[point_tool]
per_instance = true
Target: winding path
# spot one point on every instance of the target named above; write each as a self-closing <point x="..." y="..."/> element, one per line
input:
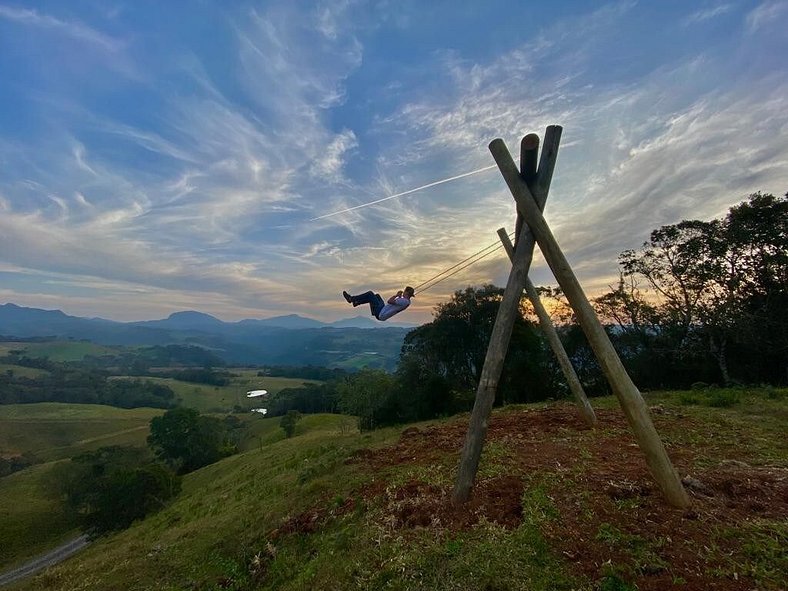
<point x="45" y="560"/>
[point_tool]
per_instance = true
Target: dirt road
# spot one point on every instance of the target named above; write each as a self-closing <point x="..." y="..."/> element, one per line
<point x="50" y="558"/>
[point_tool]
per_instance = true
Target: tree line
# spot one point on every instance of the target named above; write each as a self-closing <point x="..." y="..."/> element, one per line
<point x="707" y="298"/>
<point x="62" y="382"/>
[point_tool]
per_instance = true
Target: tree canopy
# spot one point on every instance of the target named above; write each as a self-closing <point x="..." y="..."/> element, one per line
<point x="110" y="488"/>
<point x="187" y="440"/>
<point x="713" y="291"/>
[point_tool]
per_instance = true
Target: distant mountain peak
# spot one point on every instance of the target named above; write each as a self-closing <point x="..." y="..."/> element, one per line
<point x="24" y="310"/>
<point x="286" y="321"/>
<point x="192" y="316"/>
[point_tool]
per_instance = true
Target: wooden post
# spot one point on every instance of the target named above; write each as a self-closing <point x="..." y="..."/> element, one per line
<point x="546" y="324"/>
<point x="628" y="395"/>
<point x="528" y="172"/>
<point x="504" y="322"/>
<point x="529" y="149"/>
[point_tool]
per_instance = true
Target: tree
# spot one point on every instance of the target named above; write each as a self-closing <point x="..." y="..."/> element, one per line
<point x="288" y="422"/>
<point x="309" y="398"/>
<point x="450" y="352"/>
<point x="370" y="395"/>
<point x="717" y="286"/>
<point x="187" y="441"/>
<point x="110" y="488"/>
<point x="757" y="238"/>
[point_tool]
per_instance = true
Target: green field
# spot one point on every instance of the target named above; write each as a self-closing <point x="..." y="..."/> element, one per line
<point x="23" y="372"/>
<point x="223" y="399"/>
<point x="31" y="520"/>
<point x="334" y="509"/>
<point x="58" y="350"/>
<point x="54" y="430"/>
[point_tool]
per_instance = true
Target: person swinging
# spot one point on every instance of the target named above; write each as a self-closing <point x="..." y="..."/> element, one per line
<point x="380" y="309"/>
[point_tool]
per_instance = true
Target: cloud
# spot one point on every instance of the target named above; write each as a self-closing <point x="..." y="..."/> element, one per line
<point x="74" y="29"/>
<point x="329" y="166"/>
<point x="668" y="145"/>
<point x="707" y="14"/>
<point x="202" y="196"/>
<point x="766" y="13"/>
<point x="185" y="206"/>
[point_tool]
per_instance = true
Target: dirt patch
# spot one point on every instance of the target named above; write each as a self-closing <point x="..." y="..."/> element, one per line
<point x="417" y="504"/>
<point x="312" y="519"/>
<point x="610" y="512"/>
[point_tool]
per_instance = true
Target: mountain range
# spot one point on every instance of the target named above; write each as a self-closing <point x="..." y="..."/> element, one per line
<point x="288" y="340"/>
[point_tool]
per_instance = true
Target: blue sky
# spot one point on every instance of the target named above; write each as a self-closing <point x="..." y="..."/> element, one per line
<point x="164" y="156"/>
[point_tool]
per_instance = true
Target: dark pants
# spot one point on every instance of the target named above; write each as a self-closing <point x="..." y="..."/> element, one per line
<point x="374" y="300"/>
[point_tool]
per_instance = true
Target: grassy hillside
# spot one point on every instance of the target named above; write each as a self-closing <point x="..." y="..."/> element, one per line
<point x="31" y="521"/>
<point x="556" y="506"/>
<point x="58" y="350"/>
<point x="54" y="430"/>
<point x="24" y="372"/>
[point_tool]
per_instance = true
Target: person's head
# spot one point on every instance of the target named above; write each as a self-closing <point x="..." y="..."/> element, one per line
<point x="409" y="292"/>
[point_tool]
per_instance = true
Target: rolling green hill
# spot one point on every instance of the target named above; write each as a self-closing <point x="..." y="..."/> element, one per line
<point x="31" y="520"/>
<point x="54" y="430"/>
<point x="556" y="506"/>
<point x="26" y="372"/>
<point x="58" y="350"/>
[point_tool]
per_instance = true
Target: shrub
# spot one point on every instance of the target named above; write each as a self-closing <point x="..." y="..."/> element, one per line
<point x="723" y="398"/>
<point x="288" y="422"/>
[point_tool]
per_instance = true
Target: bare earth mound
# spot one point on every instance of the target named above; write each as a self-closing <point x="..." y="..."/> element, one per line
<point x="600" y="508"/>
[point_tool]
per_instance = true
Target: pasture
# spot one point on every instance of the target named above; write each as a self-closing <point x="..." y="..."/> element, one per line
<point x="224" y="399"/>
<point x="54" y="430"/>
<point x="58" y="350"/>
<point x="31" y="520"/>
<point x="23" y="372"/>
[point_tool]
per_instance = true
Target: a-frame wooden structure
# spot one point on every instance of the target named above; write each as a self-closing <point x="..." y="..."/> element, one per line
<point x="530" y="187"/>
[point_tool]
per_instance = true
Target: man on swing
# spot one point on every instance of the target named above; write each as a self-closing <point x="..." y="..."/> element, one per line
<point x="380" y="310"/>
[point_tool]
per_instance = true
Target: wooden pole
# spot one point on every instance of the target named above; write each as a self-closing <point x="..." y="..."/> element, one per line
<point x="528" y="172"/>
<point x="546" y="324"/>
<point x="502" y="330"/>
<point x="529" y="150"/>
<point x="628" y="395"/>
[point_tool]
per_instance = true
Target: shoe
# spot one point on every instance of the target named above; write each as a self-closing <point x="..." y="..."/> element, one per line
<point x="347" y="297"/>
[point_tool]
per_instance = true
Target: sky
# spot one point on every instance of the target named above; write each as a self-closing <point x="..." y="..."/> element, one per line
<point x="167" y="156"/>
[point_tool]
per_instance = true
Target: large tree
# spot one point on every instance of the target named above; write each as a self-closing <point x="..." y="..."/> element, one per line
<point x="187" y="440"/>
<point x="715" y="289"/>
<point x="449" y="352"/>
<point x="110" y="488"/>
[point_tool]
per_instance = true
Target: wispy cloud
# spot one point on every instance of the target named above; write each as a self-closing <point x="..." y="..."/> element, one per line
<point x="71" y="28"/>
<point x="769" y="12"/>
<point x="200" y="185"/>
<point x="706" y="14"/>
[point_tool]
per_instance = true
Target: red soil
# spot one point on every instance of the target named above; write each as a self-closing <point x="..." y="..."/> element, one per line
<point x="609" y="509"/>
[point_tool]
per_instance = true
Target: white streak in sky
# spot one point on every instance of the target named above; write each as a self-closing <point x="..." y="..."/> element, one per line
<point x="427" y="186"/>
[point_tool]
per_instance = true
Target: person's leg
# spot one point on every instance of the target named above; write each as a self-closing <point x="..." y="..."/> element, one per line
<point x="364" y="298"/>
<point x="376" y="305"/>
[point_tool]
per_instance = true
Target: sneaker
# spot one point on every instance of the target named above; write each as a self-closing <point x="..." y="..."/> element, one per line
<point x="347" y="297"/>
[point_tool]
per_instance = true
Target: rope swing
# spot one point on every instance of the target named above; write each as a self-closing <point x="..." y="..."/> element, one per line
<point x="454" y="269"/>
<point x="477" y="256"/>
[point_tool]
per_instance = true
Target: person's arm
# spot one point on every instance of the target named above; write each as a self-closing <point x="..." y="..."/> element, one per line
<point x="393" y="299"/>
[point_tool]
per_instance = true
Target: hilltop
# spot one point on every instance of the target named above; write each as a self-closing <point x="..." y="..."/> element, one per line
<point x="557" y="506"/>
